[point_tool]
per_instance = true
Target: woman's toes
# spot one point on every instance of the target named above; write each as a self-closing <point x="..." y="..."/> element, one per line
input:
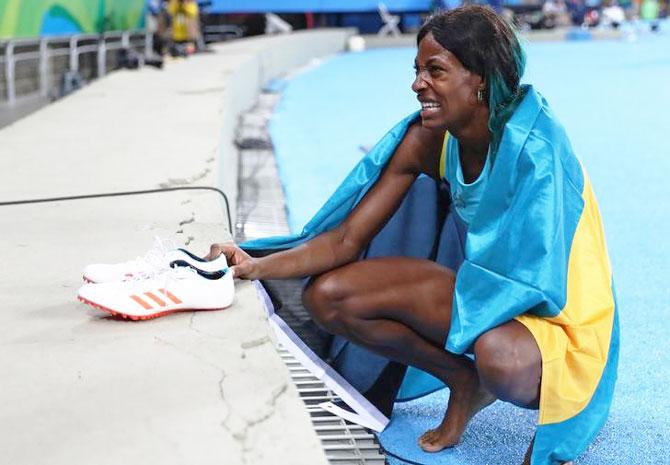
<point x="429" y="441"/>
<point x="433" y="441"/>
<point x="427" y="437"/>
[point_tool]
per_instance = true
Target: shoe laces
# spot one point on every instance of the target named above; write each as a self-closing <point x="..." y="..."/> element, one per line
<point x="164" y="279"/>
<point x="153" y="262"/>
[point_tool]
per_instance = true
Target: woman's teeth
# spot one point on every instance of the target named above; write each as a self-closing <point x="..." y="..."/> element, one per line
<point x="429" y="105"/>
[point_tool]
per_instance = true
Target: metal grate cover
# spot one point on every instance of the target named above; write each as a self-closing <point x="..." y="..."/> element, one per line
<point x="344" y="443"/>
<point x="261" y="211"/>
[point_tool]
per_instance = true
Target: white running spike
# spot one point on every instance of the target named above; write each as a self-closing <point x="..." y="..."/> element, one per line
<point x="177" y="289"/>
<point x="155" y="261"/>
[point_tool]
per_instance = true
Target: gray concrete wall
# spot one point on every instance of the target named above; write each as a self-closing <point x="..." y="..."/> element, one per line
<point x="254" y="61"/>
<point x="79" y="387"/>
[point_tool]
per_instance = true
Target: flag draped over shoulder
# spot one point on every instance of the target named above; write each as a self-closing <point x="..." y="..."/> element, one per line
<point x="347" y="195"/>
<point x="534" y="251"/>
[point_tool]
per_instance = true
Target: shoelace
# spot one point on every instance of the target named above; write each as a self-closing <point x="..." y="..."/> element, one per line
<point x="153" y="262"/>
<point x="164" y="280"/>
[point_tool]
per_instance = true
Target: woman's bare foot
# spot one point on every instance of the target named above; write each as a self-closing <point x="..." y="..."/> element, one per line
<point x="526" y="459"/>
<point x="465" y="401"/>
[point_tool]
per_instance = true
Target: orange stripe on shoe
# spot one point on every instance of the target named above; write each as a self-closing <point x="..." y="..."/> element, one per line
<point x="141" y="302"/>
<point x="170" y="296"/>
<point x="155" y="298"/>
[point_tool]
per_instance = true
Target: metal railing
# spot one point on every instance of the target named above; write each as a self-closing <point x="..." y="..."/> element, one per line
<point x="221" y="32"/>
<point x="32" y="66"/>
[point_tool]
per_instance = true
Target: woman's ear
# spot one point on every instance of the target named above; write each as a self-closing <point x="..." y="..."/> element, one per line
<point x="480" y="94"/>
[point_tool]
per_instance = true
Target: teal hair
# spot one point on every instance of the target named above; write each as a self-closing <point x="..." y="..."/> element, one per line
<point x="503" y="98"/>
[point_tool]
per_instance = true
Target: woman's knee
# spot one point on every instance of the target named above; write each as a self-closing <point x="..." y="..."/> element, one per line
<point x="324" y="298"/>
<point x="509" y="364"/>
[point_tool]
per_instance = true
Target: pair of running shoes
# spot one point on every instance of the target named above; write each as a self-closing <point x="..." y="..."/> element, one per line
<point x="164" y="281"/>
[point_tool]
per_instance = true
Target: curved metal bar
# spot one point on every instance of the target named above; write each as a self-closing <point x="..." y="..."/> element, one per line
<point x="44" y="66"/>
<point x="102" y="57"/>
<point x="119" y="194"/>
<point x="71" y="46"/>
<point x="9" y="71"/>
<point x="74" y="56"/>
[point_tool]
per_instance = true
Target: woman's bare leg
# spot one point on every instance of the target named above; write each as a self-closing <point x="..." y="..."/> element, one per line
<point x="509" y="364"/>
<point x="400" y="308"/>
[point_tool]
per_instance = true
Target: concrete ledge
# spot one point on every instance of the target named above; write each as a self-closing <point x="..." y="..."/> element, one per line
<point x="192" y="388"/>
<point x="80" y="387"/>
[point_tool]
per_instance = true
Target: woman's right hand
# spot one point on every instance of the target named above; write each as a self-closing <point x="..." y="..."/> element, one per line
<point x="241" y="263"/>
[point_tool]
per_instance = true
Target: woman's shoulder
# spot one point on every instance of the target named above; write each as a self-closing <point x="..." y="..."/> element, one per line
<point x="423" y="138"/>
<point x="423" y="148"/>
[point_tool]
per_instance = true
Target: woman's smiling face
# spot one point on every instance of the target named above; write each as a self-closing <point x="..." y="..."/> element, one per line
<point x="447" y="91"/>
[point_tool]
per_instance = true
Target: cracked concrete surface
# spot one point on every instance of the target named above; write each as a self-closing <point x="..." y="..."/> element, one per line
<point x="81" y="387"/>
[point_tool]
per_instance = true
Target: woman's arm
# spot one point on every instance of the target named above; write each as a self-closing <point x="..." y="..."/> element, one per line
<point x="418" y="152"/>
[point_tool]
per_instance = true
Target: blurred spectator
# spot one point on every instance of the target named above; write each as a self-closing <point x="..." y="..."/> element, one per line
<point x="152" y="20"/>
<point x="185" y="20"/>
<point x="576" y="10"/>
<point x="629" y="8"/>
<point x="581" y="14"/>
<point x="649" y="9"/>
<point x="613" y="14"/>
<point x="555" y="13"/>
<point x="591" y="18"/>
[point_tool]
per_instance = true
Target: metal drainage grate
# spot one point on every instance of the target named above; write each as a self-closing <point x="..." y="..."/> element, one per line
<point x="344" y="443"/>
<point x="261" y="212"/>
